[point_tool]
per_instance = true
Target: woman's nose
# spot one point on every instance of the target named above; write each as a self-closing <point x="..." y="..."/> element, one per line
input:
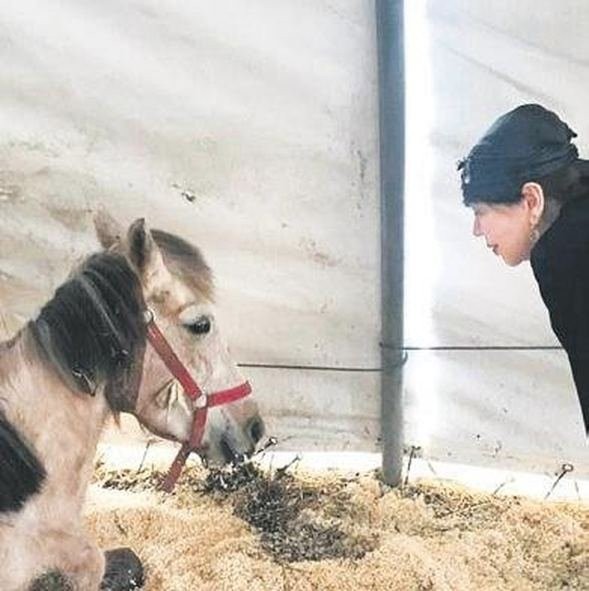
<point x="476" y="228"/>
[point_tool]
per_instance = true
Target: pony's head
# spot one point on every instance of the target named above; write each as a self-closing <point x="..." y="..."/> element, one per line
<point x="176" y="285"/>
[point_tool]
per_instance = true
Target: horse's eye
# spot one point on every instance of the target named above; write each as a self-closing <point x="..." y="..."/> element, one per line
<point x="201" y="325"/>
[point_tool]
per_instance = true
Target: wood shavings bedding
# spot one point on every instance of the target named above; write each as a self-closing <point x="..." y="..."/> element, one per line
<point x="423" y="537"/>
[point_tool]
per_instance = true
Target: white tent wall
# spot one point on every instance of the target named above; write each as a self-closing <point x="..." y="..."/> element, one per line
<point x="469" y="62"/>
<point x="246" y="126"/>
<point x="250" y="128"/>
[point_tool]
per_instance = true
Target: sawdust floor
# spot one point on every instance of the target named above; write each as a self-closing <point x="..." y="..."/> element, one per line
<point x="356" y="534"/>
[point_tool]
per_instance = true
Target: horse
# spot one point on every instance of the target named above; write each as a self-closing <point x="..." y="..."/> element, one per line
<point x="90" y="353"/>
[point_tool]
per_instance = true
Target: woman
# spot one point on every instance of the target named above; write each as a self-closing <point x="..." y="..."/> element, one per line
<point x="529" y="192"/>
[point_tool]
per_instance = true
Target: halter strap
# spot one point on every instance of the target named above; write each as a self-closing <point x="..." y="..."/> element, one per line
<point x="192" y="390"/>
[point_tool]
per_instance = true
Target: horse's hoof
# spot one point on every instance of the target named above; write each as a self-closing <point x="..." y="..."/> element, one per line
<point x="123" y="570"/>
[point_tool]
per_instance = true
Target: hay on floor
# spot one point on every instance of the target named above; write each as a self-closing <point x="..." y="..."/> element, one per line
<point x="249" y="530"/>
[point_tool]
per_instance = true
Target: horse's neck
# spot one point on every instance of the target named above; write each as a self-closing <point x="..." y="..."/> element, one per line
<point x="62" y="427"/>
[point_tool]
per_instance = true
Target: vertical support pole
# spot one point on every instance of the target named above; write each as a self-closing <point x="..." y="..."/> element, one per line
<point x="391" y="93"/>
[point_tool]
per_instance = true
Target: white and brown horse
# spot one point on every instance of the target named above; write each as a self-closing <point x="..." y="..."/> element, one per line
<point x="87" y="355"/>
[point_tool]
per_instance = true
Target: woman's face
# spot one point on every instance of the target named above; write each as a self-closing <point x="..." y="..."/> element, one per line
<point x="506" y="229"/>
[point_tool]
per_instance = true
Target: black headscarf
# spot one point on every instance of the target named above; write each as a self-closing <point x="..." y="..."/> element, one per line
<point x="521" y="146"/>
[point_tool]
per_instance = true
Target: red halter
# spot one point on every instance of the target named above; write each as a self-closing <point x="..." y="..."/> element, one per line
<point x="205" y="401"/>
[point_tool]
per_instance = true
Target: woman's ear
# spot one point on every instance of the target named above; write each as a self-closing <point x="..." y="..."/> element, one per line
<point x="533" y="198"/>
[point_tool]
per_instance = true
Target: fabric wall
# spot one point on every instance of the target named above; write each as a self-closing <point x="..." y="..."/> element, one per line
<point x="246" y="126"/>
<point x="482" y="396"/>
<point x="250" y="128"/>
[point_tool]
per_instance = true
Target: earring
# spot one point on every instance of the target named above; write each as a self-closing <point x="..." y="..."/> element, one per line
<point x="534" y="234"/>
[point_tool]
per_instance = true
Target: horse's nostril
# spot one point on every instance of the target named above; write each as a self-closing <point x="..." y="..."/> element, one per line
<point x="227" y="451"/>
<point x="256" y="429"/>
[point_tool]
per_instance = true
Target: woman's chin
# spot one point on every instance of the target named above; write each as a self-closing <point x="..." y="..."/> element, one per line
<point x="513" y="261"/>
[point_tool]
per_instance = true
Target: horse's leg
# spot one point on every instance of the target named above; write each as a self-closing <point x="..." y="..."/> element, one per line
<point x="19" y="560"/>
<point x="76" y="557"/>
<point x="50" y="560"/>
<point x="123" y="572"/>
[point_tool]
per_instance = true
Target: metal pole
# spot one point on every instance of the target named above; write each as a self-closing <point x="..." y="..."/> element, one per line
<point x="391" y="93"/>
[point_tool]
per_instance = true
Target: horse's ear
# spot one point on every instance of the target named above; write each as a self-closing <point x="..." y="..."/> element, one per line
<point x="143" y="252"/>
<point x="108" y="230"/>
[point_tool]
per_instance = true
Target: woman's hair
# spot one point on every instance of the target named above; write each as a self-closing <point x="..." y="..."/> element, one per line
<point x="529" y="143"/>
<point x="567" y="183"/>
<point x="561" y="186"/>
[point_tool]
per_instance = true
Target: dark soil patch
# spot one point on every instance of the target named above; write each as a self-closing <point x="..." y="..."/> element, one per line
<point x="286" y="512"/>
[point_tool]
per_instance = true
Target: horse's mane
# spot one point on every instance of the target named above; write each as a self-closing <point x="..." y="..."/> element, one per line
<point x="92" y="332"/>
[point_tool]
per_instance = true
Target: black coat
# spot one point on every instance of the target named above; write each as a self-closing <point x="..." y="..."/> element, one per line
<point x="560" y="260"/>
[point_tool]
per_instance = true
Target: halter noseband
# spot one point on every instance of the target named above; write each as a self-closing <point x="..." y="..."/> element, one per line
<point x="202" y="401"/>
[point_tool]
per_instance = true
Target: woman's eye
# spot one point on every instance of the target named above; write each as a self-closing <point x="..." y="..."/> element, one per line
<point x="200" y="326"/>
